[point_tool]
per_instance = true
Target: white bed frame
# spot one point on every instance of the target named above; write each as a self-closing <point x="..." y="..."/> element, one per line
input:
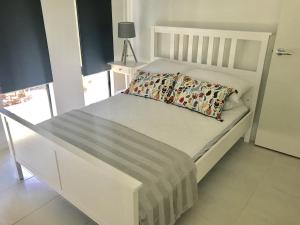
<point x="104" y="193"/>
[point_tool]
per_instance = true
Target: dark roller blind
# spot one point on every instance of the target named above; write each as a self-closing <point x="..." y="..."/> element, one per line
<point x="96" y="35"/>
<point x="24" y="57"/>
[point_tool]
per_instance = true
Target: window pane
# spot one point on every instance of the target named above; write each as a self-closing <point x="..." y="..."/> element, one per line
<point x="95" y="87"/>
<point x="31" y="104"/>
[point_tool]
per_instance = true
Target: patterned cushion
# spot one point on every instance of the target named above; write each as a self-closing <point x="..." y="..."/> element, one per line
<point x="158" y="86"/>
<point x="204" y="97"/>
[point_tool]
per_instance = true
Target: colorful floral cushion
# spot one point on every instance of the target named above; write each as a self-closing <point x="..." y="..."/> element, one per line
<point x="204" y="97"/>
<point x="158" y="86"/>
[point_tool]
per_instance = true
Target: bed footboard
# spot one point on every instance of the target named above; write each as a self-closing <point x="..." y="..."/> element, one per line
<point x="105" y="194"/>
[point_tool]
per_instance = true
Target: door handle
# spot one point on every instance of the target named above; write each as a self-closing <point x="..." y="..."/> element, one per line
<point x="282" y="52"/>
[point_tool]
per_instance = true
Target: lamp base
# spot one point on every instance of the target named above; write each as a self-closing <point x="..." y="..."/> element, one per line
<point x="125" y="51"/>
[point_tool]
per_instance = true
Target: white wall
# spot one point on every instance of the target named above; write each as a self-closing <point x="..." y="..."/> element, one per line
<point x="119" y="14"/>
<point x="240" y="14"/>
<point x="146" y="14"/>
<point x="254" y="15"/>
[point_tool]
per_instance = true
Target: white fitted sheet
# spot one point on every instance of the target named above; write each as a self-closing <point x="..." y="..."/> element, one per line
<point x="188" y="131"/>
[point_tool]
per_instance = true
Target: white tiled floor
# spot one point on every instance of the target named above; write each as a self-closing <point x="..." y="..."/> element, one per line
<point x="249" y="186"/>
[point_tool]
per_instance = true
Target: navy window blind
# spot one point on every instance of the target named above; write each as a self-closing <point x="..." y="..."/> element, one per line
<point x="96" y="35"/>
<point x="24" y="57"/>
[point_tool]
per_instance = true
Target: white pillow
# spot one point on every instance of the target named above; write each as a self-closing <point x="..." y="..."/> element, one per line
<point x="242" y="86"/>
<point x="166" y="66"/>
<point x="230" y="104"/>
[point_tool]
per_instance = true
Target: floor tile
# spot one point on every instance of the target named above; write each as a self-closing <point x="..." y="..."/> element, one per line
<point x="224" y="192"/>
<point x="238" y="173"/>
<point x="56" y="212"/>
<point x="252" y="217"/>
<point x="223" y="197"/>
<point x="209" y="206"/>
<point x="247" y="158"/>
<point x="8" y="174"/>
<point x="224" y="182"/>
<point x="4" y="157"/>
<point x="284" y="175"/>
<point x="7" y="178"/>
<point x="3" y="147"/>
<point x="23" y="199"/>
<point x="192" y="217"/>
<point x="270" y="206"/>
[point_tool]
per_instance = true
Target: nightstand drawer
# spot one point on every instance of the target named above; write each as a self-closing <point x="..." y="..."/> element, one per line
<point x="121" y="69"/>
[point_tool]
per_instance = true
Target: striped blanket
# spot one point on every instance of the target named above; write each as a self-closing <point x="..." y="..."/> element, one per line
<point x="168" y="176"/>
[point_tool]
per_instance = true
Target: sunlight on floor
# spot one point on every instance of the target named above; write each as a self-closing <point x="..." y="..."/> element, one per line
<point x="26" y="173"/>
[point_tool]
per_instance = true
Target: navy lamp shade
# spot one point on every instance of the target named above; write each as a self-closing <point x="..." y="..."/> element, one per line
<point x="126" y="30"/>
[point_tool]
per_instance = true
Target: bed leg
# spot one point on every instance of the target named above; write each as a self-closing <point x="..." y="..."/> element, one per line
<point x="11" y="148"/>
<point x="19" y="171"/>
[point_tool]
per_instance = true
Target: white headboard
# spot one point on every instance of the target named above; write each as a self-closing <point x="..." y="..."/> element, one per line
<point x="218" y="52"/>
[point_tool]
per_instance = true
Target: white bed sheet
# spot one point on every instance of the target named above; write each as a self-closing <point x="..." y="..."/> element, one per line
<point x="181" y="128"/>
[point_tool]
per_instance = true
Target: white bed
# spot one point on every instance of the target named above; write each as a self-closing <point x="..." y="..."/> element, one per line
<point x="95" y="186"/>
<point x="183" y="129"/>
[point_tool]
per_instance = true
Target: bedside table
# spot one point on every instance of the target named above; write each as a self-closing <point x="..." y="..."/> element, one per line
<point x="127" y="70"/>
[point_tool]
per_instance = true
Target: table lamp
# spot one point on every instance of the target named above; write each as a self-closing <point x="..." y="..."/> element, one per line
<point x="126" y="30"/>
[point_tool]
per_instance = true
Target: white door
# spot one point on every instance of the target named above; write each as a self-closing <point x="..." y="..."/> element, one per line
<point x="279" y="125"/>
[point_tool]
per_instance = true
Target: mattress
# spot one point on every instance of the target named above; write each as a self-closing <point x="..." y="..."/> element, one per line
<point x="185" y="130"/>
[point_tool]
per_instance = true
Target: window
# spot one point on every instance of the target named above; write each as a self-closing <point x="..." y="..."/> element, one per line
<point x="31" y="104"/>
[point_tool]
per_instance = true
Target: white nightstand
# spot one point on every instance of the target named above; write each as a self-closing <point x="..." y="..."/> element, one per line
<point x="127" y="70"/>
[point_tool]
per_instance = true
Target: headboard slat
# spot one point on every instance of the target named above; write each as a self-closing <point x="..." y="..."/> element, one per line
<point x="190" y="48"/>
<point x="172" y="46"/>
<point x="210" y="50"/>
<point x="232" y="53"/>
<point x="221" y="52"/>
<point x="200" y="49"/>
<point x="180" y="50"/>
